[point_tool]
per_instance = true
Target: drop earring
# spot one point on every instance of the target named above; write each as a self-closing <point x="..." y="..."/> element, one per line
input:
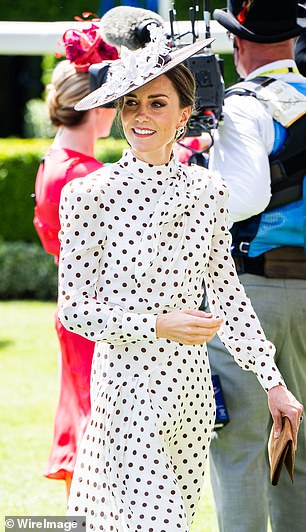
<point x="179" y="133"/>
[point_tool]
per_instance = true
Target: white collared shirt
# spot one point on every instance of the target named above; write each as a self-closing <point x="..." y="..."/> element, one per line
<point x="243" y="143"/>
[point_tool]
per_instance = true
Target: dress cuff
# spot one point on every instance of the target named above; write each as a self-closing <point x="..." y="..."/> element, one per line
<point x="139" y="326"/>
<point x="267" y="372"/>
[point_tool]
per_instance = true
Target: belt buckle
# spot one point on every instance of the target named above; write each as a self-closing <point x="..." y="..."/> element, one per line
<point x="244" y="247"/>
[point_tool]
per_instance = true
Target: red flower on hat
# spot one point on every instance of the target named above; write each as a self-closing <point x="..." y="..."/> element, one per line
<point x="85" y="47"/>
<point x="243" y="13"/>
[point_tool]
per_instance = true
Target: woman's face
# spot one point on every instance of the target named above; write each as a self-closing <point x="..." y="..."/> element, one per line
<point x="150" y="117"/>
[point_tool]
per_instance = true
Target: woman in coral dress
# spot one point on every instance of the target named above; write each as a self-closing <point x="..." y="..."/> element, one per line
<point x="70" y="156"/>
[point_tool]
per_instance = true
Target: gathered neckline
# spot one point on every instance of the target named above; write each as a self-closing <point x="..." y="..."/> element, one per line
<point x="149" y="171"/>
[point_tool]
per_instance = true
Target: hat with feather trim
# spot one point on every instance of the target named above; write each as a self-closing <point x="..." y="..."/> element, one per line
<point x="137" y="68"/>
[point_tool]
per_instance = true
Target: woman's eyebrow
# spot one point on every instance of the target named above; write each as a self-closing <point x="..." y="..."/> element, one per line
<point x="158" y="96"/>
<point x="133" y="95"/>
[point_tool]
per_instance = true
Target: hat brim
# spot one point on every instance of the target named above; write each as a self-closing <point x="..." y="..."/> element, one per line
<point x="301" y="20"/>
<point x="230" y="22"/>
<point x="96" y="98"/>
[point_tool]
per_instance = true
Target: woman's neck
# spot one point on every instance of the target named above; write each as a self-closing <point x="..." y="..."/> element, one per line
<point x="157" y="157"/>
<point x="77" y="138"/>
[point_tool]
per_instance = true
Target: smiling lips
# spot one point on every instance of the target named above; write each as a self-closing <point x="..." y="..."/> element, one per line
<point x="143" y="132"/>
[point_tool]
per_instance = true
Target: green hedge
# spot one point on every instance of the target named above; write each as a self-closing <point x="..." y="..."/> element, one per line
<point x="45" y="11"/>
<point x="50" y="11"/>
<point x="27" y="272"/>
<point x="19" y="160"/>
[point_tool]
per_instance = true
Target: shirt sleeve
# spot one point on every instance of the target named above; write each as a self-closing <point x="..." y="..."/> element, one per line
<point x="240" y="155"/>
<point x="241" y="332"/>
<point x="82" y="238"/>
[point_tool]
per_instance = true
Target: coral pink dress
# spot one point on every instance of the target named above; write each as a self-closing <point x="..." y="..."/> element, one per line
<point x="57" y="168"/>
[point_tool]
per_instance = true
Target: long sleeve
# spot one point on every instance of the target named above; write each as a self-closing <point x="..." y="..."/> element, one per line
<point x="82" y="237"/>
<point x="240" y="156"/>
<point x="241" y="331"/>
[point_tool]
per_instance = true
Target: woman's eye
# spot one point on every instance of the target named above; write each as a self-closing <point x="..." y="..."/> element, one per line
<point x="130" y="103"/>
<point x="158" y="104"/>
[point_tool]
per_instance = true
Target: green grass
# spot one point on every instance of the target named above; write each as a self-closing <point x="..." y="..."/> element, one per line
<point x="29" y="392"/>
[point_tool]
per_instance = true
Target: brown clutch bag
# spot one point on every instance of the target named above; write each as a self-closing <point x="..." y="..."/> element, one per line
<point x="281" y="451"/>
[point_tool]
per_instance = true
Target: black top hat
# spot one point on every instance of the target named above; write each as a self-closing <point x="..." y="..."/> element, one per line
<point x="262" y="21"/>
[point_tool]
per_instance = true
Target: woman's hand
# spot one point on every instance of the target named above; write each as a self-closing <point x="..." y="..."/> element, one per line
<point x="283" y="403"/>
<point x="189" y="327"/>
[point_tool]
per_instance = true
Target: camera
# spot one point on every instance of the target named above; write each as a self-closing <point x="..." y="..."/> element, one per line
<point x="207" y="69"/>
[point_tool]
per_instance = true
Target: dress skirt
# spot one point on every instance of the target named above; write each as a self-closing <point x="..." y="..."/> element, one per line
<point x="73" y="409"/>
<point x="142" y="460"/>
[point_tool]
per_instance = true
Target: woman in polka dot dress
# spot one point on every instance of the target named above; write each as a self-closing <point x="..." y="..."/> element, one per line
<point x="138" y="238"/>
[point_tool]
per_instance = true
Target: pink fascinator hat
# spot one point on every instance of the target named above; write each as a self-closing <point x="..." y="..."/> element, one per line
<point x="85" y="47"/>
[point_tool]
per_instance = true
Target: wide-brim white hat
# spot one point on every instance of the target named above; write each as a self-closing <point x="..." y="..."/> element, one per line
<point x="137" y="68"/>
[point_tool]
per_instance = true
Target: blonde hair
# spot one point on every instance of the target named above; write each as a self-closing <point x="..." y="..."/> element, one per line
<point x="67" y="87"/>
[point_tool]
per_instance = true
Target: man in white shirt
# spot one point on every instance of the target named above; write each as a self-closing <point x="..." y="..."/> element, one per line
<point x="267" y="209"/>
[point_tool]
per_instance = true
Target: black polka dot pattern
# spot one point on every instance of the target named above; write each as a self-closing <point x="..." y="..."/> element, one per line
<point x="136" y="241"/>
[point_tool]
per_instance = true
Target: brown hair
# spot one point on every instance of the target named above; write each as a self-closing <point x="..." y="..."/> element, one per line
<point x="67" y="87"/>
<point x="184" y="84"/>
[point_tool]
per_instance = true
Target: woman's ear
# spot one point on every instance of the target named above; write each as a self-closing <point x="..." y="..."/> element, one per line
<point x="186" y="112"/>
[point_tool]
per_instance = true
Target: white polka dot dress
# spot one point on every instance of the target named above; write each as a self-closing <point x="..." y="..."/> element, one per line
<point x="137" y="240"/>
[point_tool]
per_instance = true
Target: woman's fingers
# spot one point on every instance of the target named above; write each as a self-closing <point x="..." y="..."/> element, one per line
<point x="278" y="423"/>
<point x="190" y="327"/>
<point x="199" y="313"/>
<point x="202" y="319"/>
<point x="283" y="403"/>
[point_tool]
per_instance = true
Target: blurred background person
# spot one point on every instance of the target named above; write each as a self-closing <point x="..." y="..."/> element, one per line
<point x="260" y="153"/>
<point x="70" y="156"/>
<point x="300" y="45"/>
